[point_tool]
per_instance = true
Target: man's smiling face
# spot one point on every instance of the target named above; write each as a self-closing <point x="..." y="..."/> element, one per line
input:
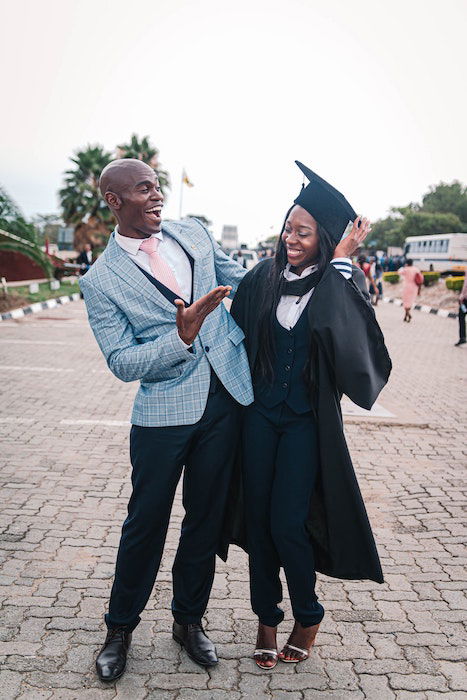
<point x="133" y="193"/>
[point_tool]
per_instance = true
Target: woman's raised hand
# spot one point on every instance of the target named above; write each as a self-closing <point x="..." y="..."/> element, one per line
<point x="347" y="247"/>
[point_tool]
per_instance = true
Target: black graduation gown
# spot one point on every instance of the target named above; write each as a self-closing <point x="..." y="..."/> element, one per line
<point x="350" y="358"/>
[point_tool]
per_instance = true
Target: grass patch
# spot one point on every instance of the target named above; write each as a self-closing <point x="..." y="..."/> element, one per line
<point x="20" y="296"/>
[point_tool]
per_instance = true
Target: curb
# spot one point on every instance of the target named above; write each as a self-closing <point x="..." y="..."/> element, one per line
<point x="39" y="306"/>
<point x="420" y="307"/>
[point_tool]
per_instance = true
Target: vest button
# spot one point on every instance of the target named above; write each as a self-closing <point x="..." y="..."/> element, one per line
<point x="289" y="351"/>
<point x="285" y="385"/>
<point x="287" y="367"/>
<point x="206" y="347"/>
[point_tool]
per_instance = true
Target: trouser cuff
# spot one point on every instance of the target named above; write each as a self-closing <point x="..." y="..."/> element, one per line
<point x="112" y="623"/>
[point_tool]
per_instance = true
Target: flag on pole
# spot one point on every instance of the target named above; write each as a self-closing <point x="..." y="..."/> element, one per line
<point x="186" y="180"/>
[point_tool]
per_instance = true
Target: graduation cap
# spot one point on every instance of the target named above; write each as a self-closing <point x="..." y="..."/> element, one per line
<point x="325" y="204"/>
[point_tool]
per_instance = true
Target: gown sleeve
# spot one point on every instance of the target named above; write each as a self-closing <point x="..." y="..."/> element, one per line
<point x="345" y="327"/>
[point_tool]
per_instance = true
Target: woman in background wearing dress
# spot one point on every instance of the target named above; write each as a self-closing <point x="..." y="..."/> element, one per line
<point x="413" y="280"/>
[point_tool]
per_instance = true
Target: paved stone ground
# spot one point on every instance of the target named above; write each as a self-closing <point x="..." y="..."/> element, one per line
<point x="64" y="472"/>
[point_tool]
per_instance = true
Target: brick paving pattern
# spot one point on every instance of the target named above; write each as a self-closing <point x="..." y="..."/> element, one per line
<point x="64" y="473"/>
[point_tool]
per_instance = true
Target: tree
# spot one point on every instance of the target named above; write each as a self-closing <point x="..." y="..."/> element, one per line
<point x="47" y="226"/>
<point x="23" y="235"/>
<point x="447" y="199"/>
<point x="423" y="223"/>
<point x="82" y="204"/>
<point x="443" y="210"/>
<point x="386" y="232"/>
<point x="142" y="149"/>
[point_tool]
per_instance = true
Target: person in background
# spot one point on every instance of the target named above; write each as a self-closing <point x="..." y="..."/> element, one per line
<point x="413" y="280"/>
<point x="367" y="269"/>
<point x="85" y="259"/>
<point x="377" y="272"/>
<point x="240" y="259"/>
<point x="462" y="313"/>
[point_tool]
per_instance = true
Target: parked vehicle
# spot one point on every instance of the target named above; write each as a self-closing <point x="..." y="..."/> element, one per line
<point x="250" y="257"/>
<point x="446" y="252"/>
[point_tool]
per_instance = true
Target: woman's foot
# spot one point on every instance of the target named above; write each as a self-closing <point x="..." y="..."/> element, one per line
<point x="265" y="654"/>
<point x="300" y="643"/>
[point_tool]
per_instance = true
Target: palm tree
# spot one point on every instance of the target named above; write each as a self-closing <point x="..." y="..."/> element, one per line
<point x="18" y="235"/>
<point x="141" y="149"/>
<point x="80" y="199"/>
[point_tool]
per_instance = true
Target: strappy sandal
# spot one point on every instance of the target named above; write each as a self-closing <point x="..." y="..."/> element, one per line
<point x="271" y="652"/>
<point x="304" y="652"/>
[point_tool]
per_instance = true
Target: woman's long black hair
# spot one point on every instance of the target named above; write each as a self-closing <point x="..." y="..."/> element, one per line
<point x="275" y="289"/>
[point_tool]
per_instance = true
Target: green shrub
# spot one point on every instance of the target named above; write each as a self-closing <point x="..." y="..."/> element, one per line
<point x="455" y="283"/>
<point x="391" y="277"/>
<point x="430" y="278"/>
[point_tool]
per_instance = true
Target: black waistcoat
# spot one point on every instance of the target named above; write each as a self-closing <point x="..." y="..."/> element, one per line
<point x="292" y="348"/>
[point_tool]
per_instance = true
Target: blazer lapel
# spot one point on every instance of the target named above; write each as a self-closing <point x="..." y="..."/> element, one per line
<point x="124" y="267"/>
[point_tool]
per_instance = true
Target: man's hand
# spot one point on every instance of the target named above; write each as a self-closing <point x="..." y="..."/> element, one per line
<point x="189" y="320"/>
<point x="352" y="242"/>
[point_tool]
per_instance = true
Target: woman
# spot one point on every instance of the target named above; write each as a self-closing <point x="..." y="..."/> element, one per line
<point x="311" y="335"/>
<point x="413" y="280"/>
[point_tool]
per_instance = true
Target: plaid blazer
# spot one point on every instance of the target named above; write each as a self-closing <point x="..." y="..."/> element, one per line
<point x="134" y="325"/>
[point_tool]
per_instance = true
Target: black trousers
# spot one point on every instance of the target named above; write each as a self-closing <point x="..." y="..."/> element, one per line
<point x="280" y="462"/>
<point x="157" y="456"/>
<point x="461" y="317"/>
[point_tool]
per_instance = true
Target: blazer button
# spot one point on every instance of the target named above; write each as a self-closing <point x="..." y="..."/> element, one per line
<point x="287" y="368"/>
<point x="206" y="347"/>
<point x="289" y="351"/>
<point x="285" y="385"/>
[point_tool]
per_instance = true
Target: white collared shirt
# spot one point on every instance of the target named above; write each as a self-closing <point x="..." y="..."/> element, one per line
<point x="170" y="250"/>
<point x="290" y="307"/>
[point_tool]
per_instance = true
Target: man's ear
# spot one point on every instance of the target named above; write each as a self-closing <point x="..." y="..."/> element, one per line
<point x="113" y="200"/>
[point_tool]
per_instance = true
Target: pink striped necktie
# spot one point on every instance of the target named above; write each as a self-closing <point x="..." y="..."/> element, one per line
<point x="160" y="269"/>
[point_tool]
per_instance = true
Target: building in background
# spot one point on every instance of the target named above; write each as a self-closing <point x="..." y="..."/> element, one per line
<point x="229" y="239"/>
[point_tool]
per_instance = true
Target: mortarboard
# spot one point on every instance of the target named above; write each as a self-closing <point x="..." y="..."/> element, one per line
<point x="325" y="204"/>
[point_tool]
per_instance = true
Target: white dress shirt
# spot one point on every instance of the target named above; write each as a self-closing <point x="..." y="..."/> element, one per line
<point x="290" y="307"/>
<point x="170" y="250"/>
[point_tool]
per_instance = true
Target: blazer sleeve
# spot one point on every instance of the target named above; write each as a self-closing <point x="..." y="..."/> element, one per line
<point x="127" y="359"/>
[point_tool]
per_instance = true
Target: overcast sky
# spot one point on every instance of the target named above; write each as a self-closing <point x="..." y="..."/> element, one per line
<point x="371" y="94"/>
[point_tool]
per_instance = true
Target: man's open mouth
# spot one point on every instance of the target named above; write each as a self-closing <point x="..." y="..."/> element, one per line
<point x="154" y="211"/>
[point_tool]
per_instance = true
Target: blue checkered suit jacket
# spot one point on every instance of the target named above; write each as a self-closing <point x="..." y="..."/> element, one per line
<point x="134" y="325"/>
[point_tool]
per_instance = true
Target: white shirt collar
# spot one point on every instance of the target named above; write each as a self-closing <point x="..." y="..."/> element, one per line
<point x="131" y="245"/>
<point x="290" y="276"/>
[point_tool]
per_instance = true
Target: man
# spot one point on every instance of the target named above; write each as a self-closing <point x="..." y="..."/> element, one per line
<point x="85" y="259"/>
<point x="157" y="319"/>
<point x="462" y="313"/>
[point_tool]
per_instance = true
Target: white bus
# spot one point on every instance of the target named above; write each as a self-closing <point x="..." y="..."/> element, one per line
<point x="447" y="252"/>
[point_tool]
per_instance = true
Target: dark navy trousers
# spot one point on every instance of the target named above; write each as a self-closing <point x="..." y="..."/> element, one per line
<point x="280" y="463"/>
<point x="157" y="456"/>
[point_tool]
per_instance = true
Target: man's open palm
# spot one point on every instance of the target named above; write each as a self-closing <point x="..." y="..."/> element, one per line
<point x="189" y="320"/>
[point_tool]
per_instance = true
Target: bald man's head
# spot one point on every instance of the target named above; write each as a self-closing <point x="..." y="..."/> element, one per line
<point x="131" y="190"/>
<point x="120" y="173"/>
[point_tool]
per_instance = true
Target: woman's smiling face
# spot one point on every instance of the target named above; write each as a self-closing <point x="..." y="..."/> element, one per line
<point x="301" y="239"/>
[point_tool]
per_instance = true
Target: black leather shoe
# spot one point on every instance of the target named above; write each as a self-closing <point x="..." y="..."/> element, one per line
<point x="462" y="341"/>
<point x="197" y="645"/>
<point x="111" y="661"/>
